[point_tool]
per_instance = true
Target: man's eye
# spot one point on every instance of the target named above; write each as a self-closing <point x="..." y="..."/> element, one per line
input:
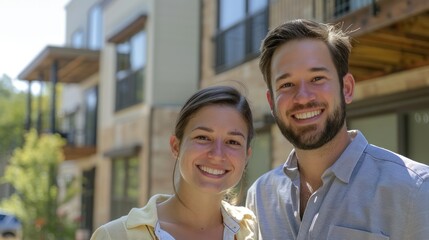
<point x="286" y="85"/>
<point x="201" y="138"/>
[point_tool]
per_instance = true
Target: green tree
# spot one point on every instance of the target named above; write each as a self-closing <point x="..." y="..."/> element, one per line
<point x="12" y="114"/>
<point x="32" y="171"/>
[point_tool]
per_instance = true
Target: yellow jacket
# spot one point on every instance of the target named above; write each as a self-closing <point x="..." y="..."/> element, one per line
<point x="140" y="223"/>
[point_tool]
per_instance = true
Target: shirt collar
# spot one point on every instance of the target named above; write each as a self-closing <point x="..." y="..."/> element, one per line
<point x="146" y="215"/>
<point x="342" y="168"/>
<point x="232" y="215"/>
<point x="290" y="167"/>
<point x="346" y="163"/>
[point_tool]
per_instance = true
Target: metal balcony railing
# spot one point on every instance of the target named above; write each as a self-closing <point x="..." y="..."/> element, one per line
<point x="337" y="8"/>
<point x="241" y="41"/>
<point x="129" y="90"/>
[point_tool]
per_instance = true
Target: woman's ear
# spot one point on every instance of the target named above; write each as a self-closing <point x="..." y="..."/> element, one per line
<point x="249" y="154"/>
<point x="174" y="146"/>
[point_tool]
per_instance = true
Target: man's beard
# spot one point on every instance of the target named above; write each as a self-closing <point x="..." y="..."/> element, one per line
<point x="304" y="139"/>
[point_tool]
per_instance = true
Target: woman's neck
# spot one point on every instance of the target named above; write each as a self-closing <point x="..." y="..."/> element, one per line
<point x="185" y="217"/>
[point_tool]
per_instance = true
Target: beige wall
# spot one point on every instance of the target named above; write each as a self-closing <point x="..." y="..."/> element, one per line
<point x="394" y="83"/>
<point x="162" y="161"/>
<point x="175" y="58"/>
<point x="77" y="16"/>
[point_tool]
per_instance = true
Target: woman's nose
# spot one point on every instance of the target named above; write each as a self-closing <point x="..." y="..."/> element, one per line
<point x="216" y="150"/>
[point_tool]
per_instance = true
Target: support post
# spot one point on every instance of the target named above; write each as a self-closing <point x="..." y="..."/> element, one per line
<point x="54" y="80"/>
<point x="29" y="107"/>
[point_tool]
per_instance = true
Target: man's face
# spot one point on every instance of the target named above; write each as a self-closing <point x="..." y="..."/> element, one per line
<point x="306" y="100"/>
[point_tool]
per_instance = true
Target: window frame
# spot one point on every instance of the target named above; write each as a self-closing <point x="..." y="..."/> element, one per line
<point x="129" y="89"/>
<point x="250" y="46"/>
<point x="95" y="37"/>
<point x="121" y="205"/>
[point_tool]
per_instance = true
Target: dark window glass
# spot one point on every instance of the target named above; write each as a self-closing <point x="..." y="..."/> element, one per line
<point x="242" y="26"/>
<point x="131" y="60"/>
<point x="345" y="6"/>
<point x="124" y="194"/>
<point x="87" y="209"/>
<point x="91" y="103"/>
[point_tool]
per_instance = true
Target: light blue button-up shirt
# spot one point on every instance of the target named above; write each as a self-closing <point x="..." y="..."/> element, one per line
<point x="368" y="193"/>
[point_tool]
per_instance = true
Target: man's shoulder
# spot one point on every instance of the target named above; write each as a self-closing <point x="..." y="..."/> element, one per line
<point x="397" y="163"/>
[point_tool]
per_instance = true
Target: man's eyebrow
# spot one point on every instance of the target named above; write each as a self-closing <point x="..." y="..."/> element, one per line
<point x="283" y="76"/>
<point x="313" y="69"/>
<point x="319" y="69"/>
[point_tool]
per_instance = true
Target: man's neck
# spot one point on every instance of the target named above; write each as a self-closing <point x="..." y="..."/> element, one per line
<point x="313" y="163"/>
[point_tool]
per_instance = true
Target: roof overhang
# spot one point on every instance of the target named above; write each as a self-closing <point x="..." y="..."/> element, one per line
<point x="73" y="65"/>
<point x="391" y="38"/>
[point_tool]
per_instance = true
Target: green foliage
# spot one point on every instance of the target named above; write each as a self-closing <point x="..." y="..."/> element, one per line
<point x="12" y="117"/>
<point x="32" y="171"/>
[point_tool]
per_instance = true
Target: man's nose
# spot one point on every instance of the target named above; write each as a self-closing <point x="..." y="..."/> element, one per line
<point x="304" y="94"/>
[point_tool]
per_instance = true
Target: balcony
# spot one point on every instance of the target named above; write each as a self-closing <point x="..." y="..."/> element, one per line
<point x="63" y="65"/>
<point x="74" y="151"/>
<point x="70" y="65"/>
<point x="392" y="35"/>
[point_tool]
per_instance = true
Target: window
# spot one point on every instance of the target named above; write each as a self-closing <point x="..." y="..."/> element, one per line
<point x="259" y="163"/>
<point x="87" y="199"/>
<point x="417" y="123"/>
<point x="91" y="99"/>
<point x="131" y="60"/>
<point x="77" y="39"/>
<point x="242" y="25"/>
<point x="398" y="122"/>
<point x="70" y="128"/>
<point x="95" y="27"/>
<point x="124" y="192"/>
<point x="345" y="6"/>
<point x="380" y="130"/>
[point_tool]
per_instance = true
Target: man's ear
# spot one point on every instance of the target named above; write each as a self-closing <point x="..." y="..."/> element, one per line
<point x="270" y="99"/>
<point x="174" y="146"/>
<point x="348" y="87"/>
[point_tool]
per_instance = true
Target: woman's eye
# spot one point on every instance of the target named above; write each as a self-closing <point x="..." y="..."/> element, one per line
<point x="318" y="78"/>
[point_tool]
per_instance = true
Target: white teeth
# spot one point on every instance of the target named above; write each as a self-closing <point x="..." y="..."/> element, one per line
<point x="307" y="115"/>
<point x="212" y="171"/>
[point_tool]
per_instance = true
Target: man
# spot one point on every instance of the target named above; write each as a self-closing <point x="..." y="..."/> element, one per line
<point x="334" y="185"/>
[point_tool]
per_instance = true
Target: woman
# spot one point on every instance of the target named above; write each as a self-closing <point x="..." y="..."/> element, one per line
<point x="211" y="145"/>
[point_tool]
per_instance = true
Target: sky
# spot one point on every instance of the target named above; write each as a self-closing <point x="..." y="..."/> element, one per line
<point x="26" y="28"/>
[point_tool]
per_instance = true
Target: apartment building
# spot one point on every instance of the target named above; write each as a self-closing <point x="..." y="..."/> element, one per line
<point x="390" y="62"/>
<point x="116" y="88"/>
<point x="127" y="66"/>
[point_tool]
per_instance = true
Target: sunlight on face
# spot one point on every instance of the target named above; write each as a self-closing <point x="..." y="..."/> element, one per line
<point x="213" y="151"/>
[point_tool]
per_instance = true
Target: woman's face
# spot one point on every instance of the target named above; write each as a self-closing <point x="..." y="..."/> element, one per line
<point x="213" y="153"/>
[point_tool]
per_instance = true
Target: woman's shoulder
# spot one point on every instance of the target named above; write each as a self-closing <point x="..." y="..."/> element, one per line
<point x="115" y="229"/>
<point x="244" y="217"/>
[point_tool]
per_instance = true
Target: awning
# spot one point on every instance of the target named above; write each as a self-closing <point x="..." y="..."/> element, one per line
<point x="74" y="64"/>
